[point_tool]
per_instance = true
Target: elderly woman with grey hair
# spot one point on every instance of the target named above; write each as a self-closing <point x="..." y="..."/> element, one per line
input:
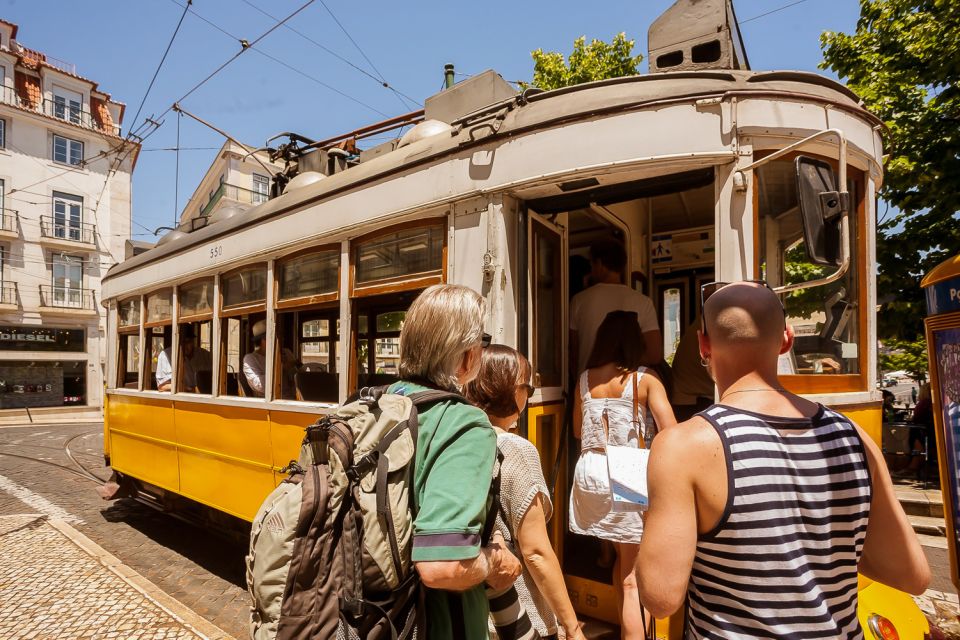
<point x="440" y="347"/>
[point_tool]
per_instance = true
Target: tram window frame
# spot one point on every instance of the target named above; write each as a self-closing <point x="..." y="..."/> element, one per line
<point x="299" y="318"/>
<point x="126" y="331"/>
<point x="247" y="314"/>
<point x="165" y="324"/>
<point x="196" y="320"/>
<point x="404" y="282"/>
<point x="372" y="334"/>
<point x="552" y="378"/>
<point x="812" y="383"/>
<point x="298" y="301"/>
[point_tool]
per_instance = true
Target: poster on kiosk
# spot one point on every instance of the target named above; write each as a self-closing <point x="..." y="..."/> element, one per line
<point x="942" y="288"/>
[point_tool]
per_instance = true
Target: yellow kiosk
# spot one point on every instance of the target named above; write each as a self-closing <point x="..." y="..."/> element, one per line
<point x="942" y="286"/>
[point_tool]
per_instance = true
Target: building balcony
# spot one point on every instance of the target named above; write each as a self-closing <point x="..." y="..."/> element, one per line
<point x="9" y="224"/>
<point x="70" y="236"/>
<point x="232" y="194"/>
<point x="71" y="301"/>
<point x="9" y="300"/>
<point x="58" y="110"/>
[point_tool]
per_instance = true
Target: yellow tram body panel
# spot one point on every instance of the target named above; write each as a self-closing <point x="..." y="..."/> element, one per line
<point x="223" y="456"/>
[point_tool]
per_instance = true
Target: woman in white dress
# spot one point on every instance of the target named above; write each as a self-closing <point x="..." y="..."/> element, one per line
<point x="605" y="411"/>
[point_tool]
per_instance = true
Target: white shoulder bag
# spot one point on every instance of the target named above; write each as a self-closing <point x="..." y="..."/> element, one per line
<point x="627" y="466"/>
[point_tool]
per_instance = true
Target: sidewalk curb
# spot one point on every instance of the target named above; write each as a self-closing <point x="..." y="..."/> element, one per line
<point x="183" y="614"/>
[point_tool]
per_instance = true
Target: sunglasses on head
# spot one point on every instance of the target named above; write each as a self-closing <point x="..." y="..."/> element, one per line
<point x="529" y="388"/>
<point x="485" y="340"/>
<point x="707" y="289"/>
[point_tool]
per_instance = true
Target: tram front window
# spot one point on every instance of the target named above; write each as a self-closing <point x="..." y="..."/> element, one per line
<point x="825" y="319"/>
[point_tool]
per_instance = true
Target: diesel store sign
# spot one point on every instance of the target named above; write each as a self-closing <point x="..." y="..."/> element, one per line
<point x="41" y="339"/>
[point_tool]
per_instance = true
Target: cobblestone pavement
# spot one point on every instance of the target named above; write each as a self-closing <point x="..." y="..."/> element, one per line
<point x="201" y="570"/>
<point x="54" y="588"/>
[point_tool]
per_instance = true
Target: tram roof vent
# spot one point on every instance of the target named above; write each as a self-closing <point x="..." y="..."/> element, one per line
<point x="696" y="34"/>
<point x="468" y="96"/>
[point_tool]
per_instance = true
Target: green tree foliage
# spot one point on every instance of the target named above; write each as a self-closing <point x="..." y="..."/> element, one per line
<point x="904" y="61"/>
<point x="598" y="60"/>
<point x="905" y="355"/>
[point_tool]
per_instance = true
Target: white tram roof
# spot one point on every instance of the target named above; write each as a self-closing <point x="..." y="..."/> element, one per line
<point x="526" y="112"/>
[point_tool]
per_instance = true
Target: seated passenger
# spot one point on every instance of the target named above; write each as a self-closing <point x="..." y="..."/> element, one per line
<point x="606" y="410"/>
<point x="193" y="360"/>
<point x="255" y="362"/>
<point x="501" y="389"/>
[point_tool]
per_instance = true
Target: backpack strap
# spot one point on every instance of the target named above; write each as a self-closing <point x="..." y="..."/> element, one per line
<point x="496" y="506"/>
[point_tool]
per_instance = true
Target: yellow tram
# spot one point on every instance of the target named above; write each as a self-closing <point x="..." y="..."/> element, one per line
<point x="706" y="173"/>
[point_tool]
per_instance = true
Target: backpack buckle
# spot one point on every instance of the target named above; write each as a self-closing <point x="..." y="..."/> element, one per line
<point x="351" y="606"/>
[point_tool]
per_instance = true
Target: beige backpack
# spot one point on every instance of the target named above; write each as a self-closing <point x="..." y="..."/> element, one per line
<point x="330" y="546"/>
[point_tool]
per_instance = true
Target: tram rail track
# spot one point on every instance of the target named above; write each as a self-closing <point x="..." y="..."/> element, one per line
<point x="78" y="469"/>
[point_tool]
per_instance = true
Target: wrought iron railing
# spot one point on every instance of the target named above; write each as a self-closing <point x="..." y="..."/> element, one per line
<point x="8" y="293"/>
<point x="8" y="220"/>
<point x="66" y="297"/>
<point x="51" y="227"/>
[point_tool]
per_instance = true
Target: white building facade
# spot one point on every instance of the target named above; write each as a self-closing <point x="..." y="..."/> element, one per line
<point x="65" y="196"/>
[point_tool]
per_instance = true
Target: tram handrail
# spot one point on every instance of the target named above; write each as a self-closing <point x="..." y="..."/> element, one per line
<point x="740" y="180"/>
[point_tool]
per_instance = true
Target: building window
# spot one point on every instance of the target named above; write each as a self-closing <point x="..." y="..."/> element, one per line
<point x="67" y="108"/>
<point x="3" y="134"/>
<point x="261" y="189"/>
<point x="67" y="216"/>
<point x="67" y="151"/>
<point x="67" y="281"/>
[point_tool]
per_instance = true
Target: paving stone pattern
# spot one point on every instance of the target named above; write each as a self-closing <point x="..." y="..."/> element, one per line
<point x="191" y="564"/>
<point x="52" y="590"/>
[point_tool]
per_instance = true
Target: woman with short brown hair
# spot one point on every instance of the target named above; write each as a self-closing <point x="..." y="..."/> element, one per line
<point x="501" y="389"/>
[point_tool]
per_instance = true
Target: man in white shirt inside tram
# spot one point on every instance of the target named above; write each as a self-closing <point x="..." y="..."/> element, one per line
<point x="193" y="359"/>
<point x="608" y="262"/>
<point x="255" y="362"/>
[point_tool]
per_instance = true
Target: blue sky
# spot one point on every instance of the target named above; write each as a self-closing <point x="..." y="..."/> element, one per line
<point x="118" y="43"/>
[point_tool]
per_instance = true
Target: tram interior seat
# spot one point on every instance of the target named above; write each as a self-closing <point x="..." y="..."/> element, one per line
<point x="205" y="382"/>
<point x="317" y="386"/>
<point x="245" y="390"/>
<point x="233" y="387"/>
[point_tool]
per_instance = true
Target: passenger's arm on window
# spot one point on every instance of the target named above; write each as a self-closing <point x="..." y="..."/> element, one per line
<point x="654" y="347"/>
<point x="891" y="552"/>
<point x="669" y="540"/>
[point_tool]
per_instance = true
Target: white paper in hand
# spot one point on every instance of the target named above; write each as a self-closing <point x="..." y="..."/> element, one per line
<point x="627" y="467"/>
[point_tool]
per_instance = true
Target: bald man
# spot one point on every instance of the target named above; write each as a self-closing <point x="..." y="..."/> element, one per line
<point x="764" y="506"/>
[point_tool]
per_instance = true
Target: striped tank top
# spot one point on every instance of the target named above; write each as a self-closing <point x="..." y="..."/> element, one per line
<point x="782" y="560"/>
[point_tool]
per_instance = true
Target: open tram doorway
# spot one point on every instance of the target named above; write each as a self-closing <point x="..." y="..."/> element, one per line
<point x="667" y="228"/>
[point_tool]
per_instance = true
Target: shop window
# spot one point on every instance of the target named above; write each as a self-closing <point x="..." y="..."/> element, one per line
<point x="416" y="251"/>
<point x="825" y="319"/>
<point x="42" y="384"/>
<point x="547" y="307"/>
<point x="244" y="286"/>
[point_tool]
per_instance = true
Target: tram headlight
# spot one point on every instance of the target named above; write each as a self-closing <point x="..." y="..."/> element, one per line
<point x="881" y="628"/>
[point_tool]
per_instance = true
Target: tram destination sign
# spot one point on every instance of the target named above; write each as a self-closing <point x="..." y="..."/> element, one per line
<point x="41" y="339"/>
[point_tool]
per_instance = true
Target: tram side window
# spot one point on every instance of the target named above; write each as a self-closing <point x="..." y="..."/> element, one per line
<point x="128" y="352"/>
<point x="825" y="319"/>
<point x="243" y="348"/>
<point x="378" y="346"/>
<point x="308" y="326"/>
<point x="195" y="335"/>
<point x="307" y="357"/>
<point x="158" y="323"/>
<point x="547" y="307"/>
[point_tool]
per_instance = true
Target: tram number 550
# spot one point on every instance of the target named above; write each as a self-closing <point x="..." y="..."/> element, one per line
<point x="216" y="252"/>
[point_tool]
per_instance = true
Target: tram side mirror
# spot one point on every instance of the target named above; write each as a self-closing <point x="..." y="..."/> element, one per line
<point x="821" y="208"/>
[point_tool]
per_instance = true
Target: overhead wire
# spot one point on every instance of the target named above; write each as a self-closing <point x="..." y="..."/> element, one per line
<point x="162" y="60"/>
<point x="283" y="63"/>
<point x="379" y="80"/>
<point x="772" y="11"/>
